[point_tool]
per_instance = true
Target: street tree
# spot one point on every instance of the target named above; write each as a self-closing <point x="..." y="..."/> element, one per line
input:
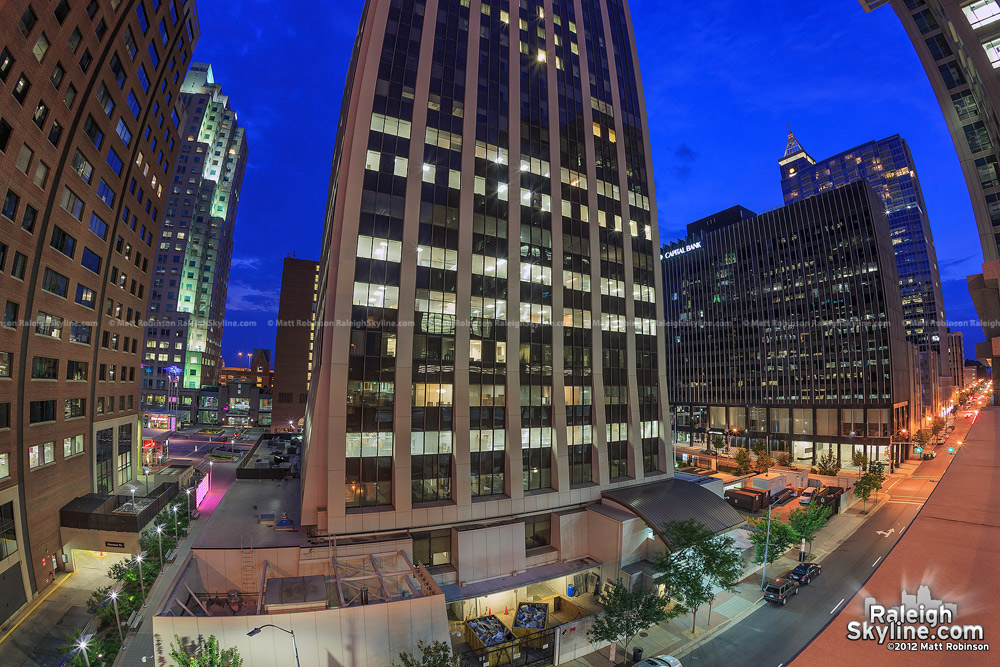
<point x="205" y="653"/>
<point x="695" y="561"/>
<point x="436" y="654"/>
<point x="718" y="442"/>
<point x="876" y="469"/>
<point x="763" y="463"/>
<point x="807" y="521"/>
<point x="742" y="460"/>
<point x="937" y="425"/>
<point x="863" y="489"/>
<point x="781" y="540"/>
<point x="783" y="459"/>
<point x="627" y="613"/>
<point x="860" y="460"/>
<point x="828" y="464"/>
<point x="758" y="446"/>
<point x="922" y="438"/>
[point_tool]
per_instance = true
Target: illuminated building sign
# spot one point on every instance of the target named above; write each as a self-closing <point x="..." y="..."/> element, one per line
<point x="680" y="250"/>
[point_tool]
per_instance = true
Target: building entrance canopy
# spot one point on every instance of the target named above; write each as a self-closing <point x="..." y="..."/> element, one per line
<point x="657" y="503"/>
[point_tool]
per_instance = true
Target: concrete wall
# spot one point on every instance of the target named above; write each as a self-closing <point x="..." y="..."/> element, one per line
<point x="486" y="553"/>
<point x="352" y="637"/>
<point x="221" y="570"/>
<point x="572" y="642"/>
<point x="571" y="534"/>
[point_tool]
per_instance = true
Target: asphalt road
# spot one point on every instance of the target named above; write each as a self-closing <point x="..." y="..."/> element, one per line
<point x="773" y="634"/>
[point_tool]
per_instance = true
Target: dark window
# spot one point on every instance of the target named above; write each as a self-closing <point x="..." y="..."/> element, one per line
<point x="133" y="105"/>
<point x="965" y="105"/>
<point x="44" y="368"/>
<point x="70" y="96"/>
<point x="536" y="532"/>
<point x="952" y="75"/>
<point x="82" y="167"/>
<point x="48" y="325"/>
<point x="153" y="55"/>
<point x="10" y="203"/>
<point x="4" y="364"/>
<point x="100" y="29"/>
<point x="938" y="46"/>
<point x="41" y="113"/>
<point x="57" y="75"/>
<point x="28" y="221"/>
<point x="143" y="79"/>
<point x="117" y="69"/>
<point x="41" y="411"/>
<point x="925" y="21"/>
<point x="91" y="260"/>
<point x="5" y="132"/>
<point x="76" y="370"/>
<point x="18" y="266"/>
<point x="143" y="21"/>
<point x="105" y="192"/>
<point x="10" y="314"/>
<point x="53" y="282"/>
<point x="987" y="168"/>
<point x="163" y="33"/>
<point x="63" y="242"/>
<point x="27" y="22"/>
<point x="978" y="137"/>
<point x="91" y="9"/>
<point x="74" y="407"/>
<point x="79" y="333"/>
<point x="123" y="132"/>
<point x="93" y="130"/>
<point x="61" y="10"/>
<point x="72" y="203"/>
<point x="114" y="162"/>
<point x="8" y="529"/>
<point x="129" y="42"/>
<point x="55" y="132"/>
<point x="74" y="40"/>
<point x="104" y="99"/>
<point x="85" y="60"/>
<point x="432" y="547"/>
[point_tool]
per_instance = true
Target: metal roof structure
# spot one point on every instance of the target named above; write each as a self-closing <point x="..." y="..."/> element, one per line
<point x="673" y="499"/>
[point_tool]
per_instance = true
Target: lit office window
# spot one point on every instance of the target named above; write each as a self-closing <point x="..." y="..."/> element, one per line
<point x="982" y="12"/>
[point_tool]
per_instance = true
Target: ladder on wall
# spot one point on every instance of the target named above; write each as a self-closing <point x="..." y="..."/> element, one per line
<point x="246" y="550"/>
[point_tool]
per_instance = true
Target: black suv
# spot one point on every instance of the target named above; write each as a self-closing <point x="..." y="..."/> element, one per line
<point x="780" y="590"/>
<point x="805" y="572"/>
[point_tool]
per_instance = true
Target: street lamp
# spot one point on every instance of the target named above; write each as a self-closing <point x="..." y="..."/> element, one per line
<point x="211" y="464"/>
<point x="187" y="492"/>
<point x="142" y="585"/>
<point x="82" y="647"/>
<point x="159" y="538"/>
<point x="174" y="510"/>
<point x="767" y="545"/>
<point x="256" y="631"/>
<point x="113" y="594"/>
<point x="145" y="471"/>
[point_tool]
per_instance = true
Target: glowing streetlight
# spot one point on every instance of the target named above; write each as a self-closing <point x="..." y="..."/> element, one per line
<point x="174" y="510"/>
<point x="113" y="594"/>
<point x="142" y="585"/>
<point x="159" y="538"/>
<point x="187" y="492"/>
<point x="82" y="647"/>
<point x="211" y="464"/>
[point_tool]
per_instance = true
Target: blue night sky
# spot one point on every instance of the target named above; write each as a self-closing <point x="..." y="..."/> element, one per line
<point x="721" y="81"/>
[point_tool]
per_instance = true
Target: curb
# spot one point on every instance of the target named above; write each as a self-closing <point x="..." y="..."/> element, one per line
<point x="710" y="634"/>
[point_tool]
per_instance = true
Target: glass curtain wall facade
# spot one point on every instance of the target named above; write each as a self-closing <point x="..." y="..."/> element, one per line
<point x="957" y="42"/>
<point x="786" y="326"/>
<point x="195" y="247"/>
<point x="887" y="166"/>
<point x="490" y="241"/>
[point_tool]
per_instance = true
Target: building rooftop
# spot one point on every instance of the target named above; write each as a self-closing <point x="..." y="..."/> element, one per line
<point x="237" y="519"/>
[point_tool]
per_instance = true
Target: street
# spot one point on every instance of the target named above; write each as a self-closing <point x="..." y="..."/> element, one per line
<point x="773" y="634"/>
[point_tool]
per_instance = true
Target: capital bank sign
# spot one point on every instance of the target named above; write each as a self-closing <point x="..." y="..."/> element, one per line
<point x="680" y="250"/>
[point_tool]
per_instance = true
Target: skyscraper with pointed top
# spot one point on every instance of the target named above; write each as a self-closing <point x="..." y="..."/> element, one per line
<point x="888" y="168"/>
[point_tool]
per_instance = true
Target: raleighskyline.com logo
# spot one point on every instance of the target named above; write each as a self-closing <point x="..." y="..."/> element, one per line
<point x="919" y="623"/>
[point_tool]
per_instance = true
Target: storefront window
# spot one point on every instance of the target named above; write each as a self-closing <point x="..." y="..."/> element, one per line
<point x="737" y="418"/>
<point x="826" y="421"/>
<point x="758" y="419"/>
<point x="780" y="421"/>
<point x="208" y="401"/>
<point x="239" y="407"/>
<point x="717" y="416"/>
<point x="369" y="469"/>
<point x="802" y="421"/>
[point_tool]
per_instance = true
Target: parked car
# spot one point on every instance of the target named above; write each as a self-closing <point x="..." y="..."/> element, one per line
<point x="780" y="589"/>
<point x="782" y="497"/>
<point x="807" y="496"/>
<point x="805" y="573"/>
<point x="708" y="452"/>
<point x="660" y="661"/>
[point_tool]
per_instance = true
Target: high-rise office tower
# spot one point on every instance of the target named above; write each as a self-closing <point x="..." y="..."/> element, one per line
<point x="89" y="132"/>
<point x="787" y="326"/>
<point x="887" y="166"/>
<point x="187" y="302"/>
<point x="491" y="240"/>
<point x="958" y="42"/>
<point x="956" y="352"/>
<point x="293" y="342"/>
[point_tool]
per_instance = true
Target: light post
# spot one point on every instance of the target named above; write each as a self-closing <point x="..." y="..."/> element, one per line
<point x="82" y="646"/>
<point x="145" y="471"/>
<point x="187" y="493"/>
<point x="211" y="464"/>
<point x="295" y="651"/>
<point x="174" y="510"/>
<point x="159" y="538"/>
<point x="133" y="499"/>
<point x="767" y="545"/>
<point x="118" y="621"/>
<point x="142" y="585"/>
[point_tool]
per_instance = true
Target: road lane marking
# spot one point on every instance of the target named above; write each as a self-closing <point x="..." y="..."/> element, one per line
<point x="838" y="605"/>
<point x="876" y="561"/>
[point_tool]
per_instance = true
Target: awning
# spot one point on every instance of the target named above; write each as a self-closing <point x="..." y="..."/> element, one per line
<point x="672" y="499"/>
